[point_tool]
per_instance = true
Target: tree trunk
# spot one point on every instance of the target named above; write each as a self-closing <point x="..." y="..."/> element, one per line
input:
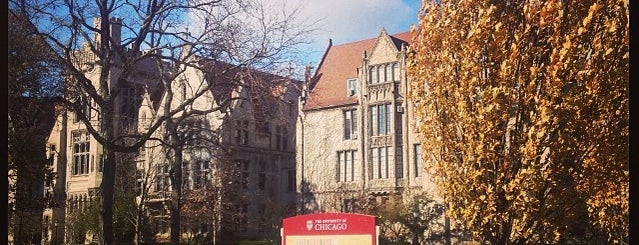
<point x="106" y="193"/>
<point x="136" y="227"/>
<point x="176" y="193"/>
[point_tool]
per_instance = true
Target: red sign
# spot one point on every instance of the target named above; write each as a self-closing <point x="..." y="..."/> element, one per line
<point x="329" y="229"/>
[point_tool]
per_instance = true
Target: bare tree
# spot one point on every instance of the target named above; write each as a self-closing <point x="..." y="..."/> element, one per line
<point x="153" y="35"/>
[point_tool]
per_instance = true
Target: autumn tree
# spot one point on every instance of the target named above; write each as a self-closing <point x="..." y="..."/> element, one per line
<point x="524" y="115"/>
<point x="96" y="59"/>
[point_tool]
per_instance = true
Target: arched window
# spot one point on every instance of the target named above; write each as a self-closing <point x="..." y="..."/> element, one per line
<point x="380" y="73"/>
<point x="388" y="74"/>
<point x="395" y="71"/>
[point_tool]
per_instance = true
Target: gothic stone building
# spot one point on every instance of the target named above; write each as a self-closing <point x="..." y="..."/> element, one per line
<point x="256" y="135"/>
<point x="247" y="172"/>
<point x="356" y="133"/>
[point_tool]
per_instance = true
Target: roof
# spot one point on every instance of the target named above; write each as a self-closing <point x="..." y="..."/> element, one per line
<point x="340" y="63"/>
<point x="225" y="79"/>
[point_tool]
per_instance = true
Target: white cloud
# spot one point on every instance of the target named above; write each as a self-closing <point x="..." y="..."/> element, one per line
<point x="352" y="20"/>
<point x="344" y="21"/>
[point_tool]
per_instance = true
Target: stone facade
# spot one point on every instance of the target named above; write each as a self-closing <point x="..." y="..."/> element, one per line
<point x="256" y="131"/>
<point x="256" y="135"/>
<point x="356" y="133"/>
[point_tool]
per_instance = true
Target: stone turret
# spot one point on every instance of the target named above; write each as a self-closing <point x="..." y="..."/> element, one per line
<point x="116" y="29"/>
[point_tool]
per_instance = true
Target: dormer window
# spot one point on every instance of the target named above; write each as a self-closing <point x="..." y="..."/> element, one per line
<point x="351" y="88"/>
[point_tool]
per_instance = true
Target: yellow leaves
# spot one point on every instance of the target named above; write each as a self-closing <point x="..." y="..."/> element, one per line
<point x="565" y="47"/>
<point x="608" y="51"/>
<point x="520" y="55"/>
<point x="611" y="26"/>
<point x="533" y="72"/>
<point x="581" y="30"/>
<point x="593" y="8"/>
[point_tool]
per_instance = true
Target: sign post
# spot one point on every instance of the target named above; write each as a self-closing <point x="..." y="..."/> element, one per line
<point x="329" y="229"/>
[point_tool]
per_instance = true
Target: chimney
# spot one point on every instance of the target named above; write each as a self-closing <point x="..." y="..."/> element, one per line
<point x="116" y="29"/>
<point x="307" y="73"/>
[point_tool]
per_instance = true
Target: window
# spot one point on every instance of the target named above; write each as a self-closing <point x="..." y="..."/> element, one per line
<point x="241" y="132"/>
<point x="130" y="101"/>
<point x="399" y="162"/>
<point x="162" y="178"/>
<point x="350" y="124"/>
<point x="380" y="159"/>
<point x="281" y="138"/>
<point x="81" y="147"/>
<point x="348" y="206"/>
<point x="396" y="71"/>
<point x="290" y="108"/>
<point x="351" y="87"/>
<point x="399" y="121"/>
<point x="419" y="161"/>
<point x="201" y="174"/>
<point x="388" y="74"/>
<point x="242" y="211"/>
<point x="85" y="109"/>
<point x="52" y="150"/>
<point x="284" y="138"/>
<point x="101" y="164"/>
<point x="346" y="170"/>
<point x="373" y="74"/>
<point x="261" y="176"/>
<point x="380" y="119"/>
<point x="380" y="73"/>
<point x="243" y="166"/>
<point x="291" y="181"/>
<point x="193" y="130"/>
<point x="262" y="218"/>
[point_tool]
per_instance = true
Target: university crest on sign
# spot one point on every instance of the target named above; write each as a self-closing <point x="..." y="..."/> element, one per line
<point x="309" y="225"/>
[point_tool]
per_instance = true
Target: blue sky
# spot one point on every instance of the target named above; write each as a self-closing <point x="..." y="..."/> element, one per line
<point x="352" y="20"/>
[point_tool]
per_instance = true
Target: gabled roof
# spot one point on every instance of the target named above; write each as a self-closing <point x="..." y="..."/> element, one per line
<point x="226" y="79"/>
<point x="340" y="63"/>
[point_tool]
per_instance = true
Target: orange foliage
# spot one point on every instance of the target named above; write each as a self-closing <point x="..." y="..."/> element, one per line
<point x="524" y="114"/>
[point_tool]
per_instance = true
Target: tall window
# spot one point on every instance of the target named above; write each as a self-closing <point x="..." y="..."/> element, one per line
<point x="350" y="124"/>
<point x="162" y="178"/>
<point x="346" y="170"/>
<point x="373" y="74"/>
<point x="201" y="174"/>
<point x="388" y="74"/>
<point x="261" y="176"/>
<point x="351" y="87"/>
<point x="81" y="147"/>
<point x="241" y="132"/>
<point x="281" y="138"/>
<point x="291" y="181"/>
<point x="380" y="159"/>
<point x="129" y="104"/>
<point x="396" y="71"/>
<point x="380" y="119"/>
<point x="399" y="162"/>
<point x="243" y="166"/>
<point x="85" y="109"/>
<point x="419" y="161"/>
